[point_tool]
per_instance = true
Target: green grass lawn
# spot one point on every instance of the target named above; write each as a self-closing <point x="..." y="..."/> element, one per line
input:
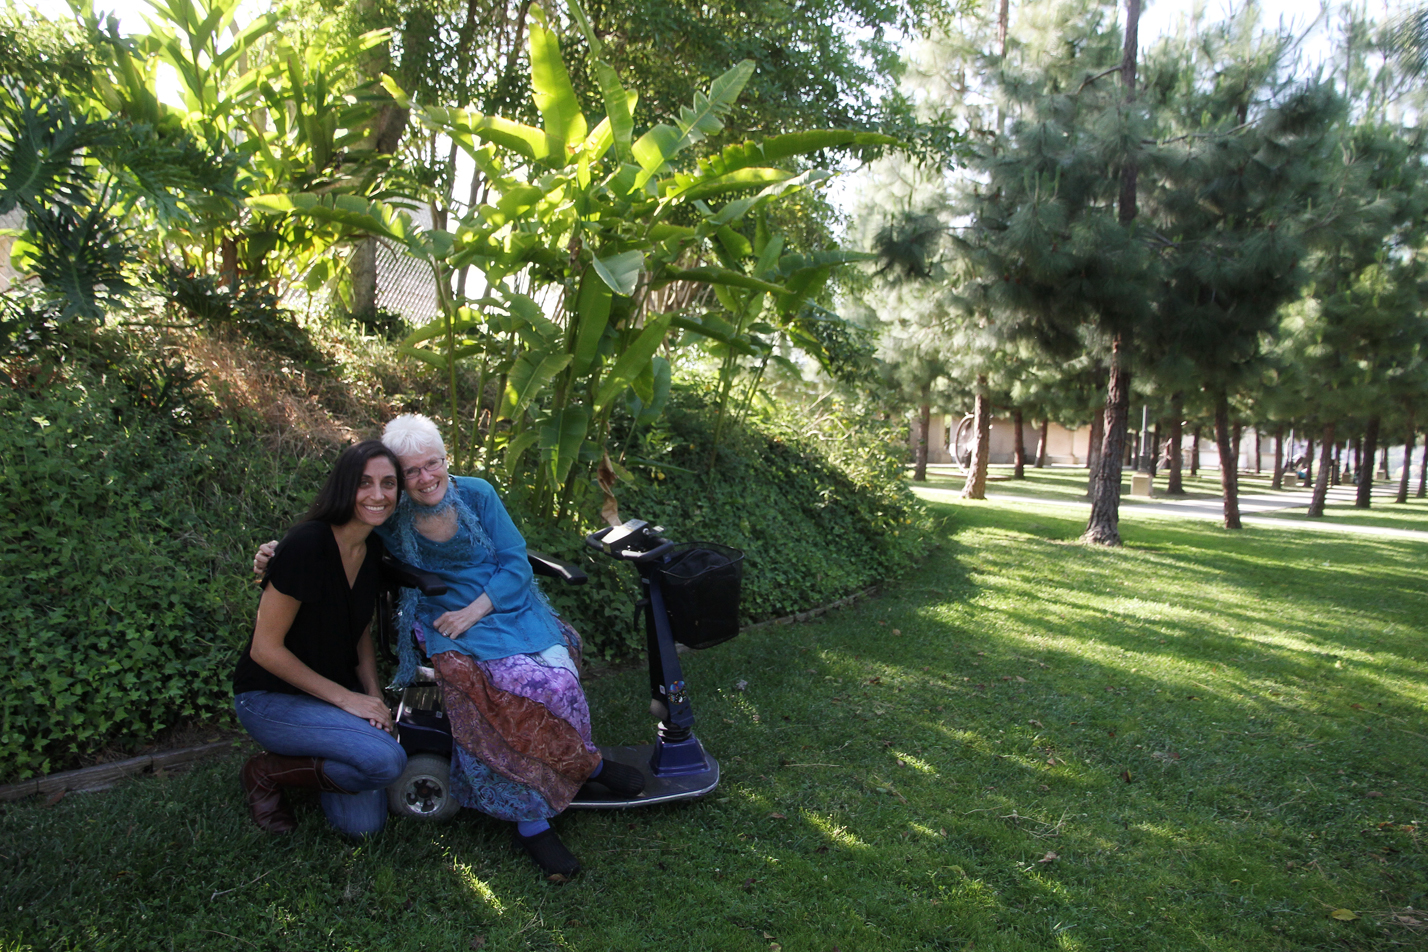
<point x="1384" y="512"/>
<point x="1069" y="484"/>
<point x="1201" y="740"/>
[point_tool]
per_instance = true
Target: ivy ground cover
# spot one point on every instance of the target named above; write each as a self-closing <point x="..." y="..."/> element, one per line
<point x="1203" y="739"/>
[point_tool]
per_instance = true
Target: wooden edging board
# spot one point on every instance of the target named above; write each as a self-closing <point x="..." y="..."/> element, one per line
<point x="102" y="776"/>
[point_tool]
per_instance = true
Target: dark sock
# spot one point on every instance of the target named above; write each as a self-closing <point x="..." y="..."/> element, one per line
<point x="549" y="853"/>
<point x="619" y="778"/>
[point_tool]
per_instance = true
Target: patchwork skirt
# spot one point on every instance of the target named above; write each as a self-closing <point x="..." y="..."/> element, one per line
<point x="520" y="727"/>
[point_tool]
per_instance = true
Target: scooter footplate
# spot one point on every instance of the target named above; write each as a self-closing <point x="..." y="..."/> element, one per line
<point x="657" y="789"/>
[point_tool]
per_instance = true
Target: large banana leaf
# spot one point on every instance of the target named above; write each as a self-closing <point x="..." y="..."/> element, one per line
<point x="775" y="148"/>
<point x="621" y="272"/>
<point x="561" y="436"/>
<point x="531" y="374"/>
<point x="593" y="311"/>
<point x="554" y="96"/>
<point x="350" y="211"/>
<point x="465" y="128"/>
<point x="711" y="275"/>
<point x="633" y="360"/>
<point x="732" y="182"/>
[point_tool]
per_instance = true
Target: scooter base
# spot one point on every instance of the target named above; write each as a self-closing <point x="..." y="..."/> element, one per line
<point x="657" y="789"/>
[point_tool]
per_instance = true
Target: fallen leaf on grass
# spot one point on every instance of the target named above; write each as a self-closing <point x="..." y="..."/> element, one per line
<point x="1357" y="707"/>
<point x="1126" y="776"/>
<point x="478" y="941"/>
<point x="1021" y="679"/>
<point x="740" y="685"/>
<point x="777" y="816"/>
<point x="1373" y="793"/>
<point x="1048" y="857"/>
<point x="1036" y="723"/>
<point x="55" y="797"/>
<point x="1343" y="915"/>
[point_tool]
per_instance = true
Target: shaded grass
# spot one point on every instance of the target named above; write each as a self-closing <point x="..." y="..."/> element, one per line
<point x="1384" y="512"/>
<point x="893" y="777"/>
<point x="1069" y="483"/>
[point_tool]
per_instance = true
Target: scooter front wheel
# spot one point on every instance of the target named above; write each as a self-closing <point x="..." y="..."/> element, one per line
<point x="423" y="791"/>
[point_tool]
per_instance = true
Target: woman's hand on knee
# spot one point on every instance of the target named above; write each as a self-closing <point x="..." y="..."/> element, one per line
<point x="372" y="709"/>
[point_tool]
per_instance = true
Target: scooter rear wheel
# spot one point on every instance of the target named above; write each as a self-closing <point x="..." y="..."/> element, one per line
<point x="423" y="791"/>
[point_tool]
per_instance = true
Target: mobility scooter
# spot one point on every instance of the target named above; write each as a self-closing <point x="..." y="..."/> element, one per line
<point x="689" y="595"/>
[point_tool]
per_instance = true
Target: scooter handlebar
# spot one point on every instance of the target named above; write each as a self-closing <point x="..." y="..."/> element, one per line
<point x="629" y="541"/>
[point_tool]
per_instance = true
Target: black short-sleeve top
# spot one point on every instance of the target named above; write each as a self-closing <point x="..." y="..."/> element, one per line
<point x="307" y="566"/>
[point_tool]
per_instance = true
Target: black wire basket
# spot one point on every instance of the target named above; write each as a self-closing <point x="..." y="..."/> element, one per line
<point x="701" y="582"/>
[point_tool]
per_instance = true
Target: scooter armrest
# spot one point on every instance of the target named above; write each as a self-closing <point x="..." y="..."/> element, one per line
<point x="550" y="567"/>
<point x="398" y="572"/>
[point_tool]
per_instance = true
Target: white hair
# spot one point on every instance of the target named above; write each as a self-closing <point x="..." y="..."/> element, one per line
<point x="411" y="434"/>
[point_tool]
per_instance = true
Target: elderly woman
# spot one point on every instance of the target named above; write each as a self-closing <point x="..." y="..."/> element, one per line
<point x="506" y="665"/>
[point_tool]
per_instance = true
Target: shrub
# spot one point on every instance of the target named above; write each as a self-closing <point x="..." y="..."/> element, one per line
<point x="125" y="537"/>
<point x="817" y="519"/>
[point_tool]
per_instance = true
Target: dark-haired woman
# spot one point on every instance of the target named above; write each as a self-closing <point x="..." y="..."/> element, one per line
<point x="306" y="686"/>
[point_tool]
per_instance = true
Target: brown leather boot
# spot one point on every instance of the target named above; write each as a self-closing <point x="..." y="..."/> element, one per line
<point x="263" y="778"/>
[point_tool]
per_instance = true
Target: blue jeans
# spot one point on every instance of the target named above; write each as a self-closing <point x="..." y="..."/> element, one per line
<point x="359" y="757"/>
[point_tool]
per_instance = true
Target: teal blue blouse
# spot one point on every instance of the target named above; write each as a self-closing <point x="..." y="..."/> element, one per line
<point x="519" y="621"/>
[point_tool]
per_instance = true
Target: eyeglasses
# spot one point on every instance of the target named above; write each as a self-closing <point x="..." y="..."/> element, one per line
<point x="431" y="467"/>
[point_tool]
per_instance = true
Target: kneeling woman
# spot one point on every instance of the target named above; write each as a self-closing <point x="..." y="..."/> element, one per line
<point x="306" y="687"/>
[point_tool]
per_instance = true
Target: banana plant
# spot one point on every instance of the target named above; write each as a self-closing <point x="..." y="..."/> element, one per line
<point x="580" y="222"/>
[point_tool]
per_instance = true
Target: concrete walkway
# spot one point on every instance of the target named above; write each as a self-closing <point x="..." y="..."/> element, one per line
<point x="1252" y="506"/>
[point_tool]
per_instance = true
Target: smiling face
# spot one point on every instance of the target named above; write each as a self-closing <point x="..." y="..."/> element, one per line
<point x="376" y="492"/>
<point x="425" y="473"/>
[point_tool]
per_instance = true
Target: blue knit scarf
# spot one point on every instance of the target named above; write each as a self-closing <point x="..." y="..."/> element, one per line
<point x="410" y="552"/>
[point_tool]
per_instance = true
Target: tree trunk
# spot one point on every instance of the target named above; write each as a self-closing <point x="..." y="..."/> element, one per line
<point x="1278" y="480"/>
<point x="1173" y="485"/>
<point x="1195" y="452"/>
<point x="1019" y="449"/>
<point x="924" y="423"/>
<point x="1104" y="525"/>
<point x="1358" y="459"/>
<point x="1041" y="445"/>
<point x="1093" y="448"/>
<point x="1365" y="496"/>
<point x="384" y="134"/>
<point x="1407" y="464"/>
<point x="1334" y="476"/>
<point x="1309" y="461"/>
<point x="228" y="251"/>
<point x="1236" y="443"/>
<point x="1383" y="463"/>
<point x="1258" y="452"/>
<point x="1423" y="471"/>
<point x="1321" y="487"/>
<point x="976" y="486"/>
<point x="1229" y="461"/>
